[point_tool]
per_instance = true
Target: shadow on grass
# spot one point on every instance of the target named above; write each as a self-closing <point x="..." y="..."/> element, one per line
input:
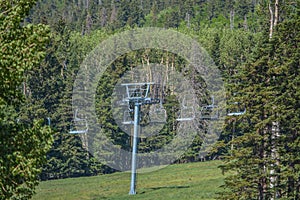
<point x="166" y="187"/>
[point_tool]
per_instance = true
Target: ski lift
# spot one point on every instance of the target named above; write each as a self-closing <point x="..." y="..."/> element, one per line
<point x="128" y="117"/>
<point x="210" y="112"/>
<point x="236" y="109"/>
<point x="79" y="125"/>
<point x="158" y="114"/>
<point x="186" y="114"/>
<point x="137" y="91"/>
<point x="187" y="111"/>
<point x="121" y="101"/>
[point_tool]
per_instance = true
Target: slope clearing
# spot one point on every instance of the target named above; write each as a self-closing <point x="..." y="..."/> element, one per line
<point x="181" y="181"/>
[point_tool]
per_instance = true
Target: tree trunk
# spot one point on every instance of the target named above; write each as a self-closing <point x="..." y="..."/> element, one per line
<point x="271" y="21"/>
<point x="276" y="13"/>
<point x="245" y="23"/>
<point x="274" y="16"/>
<point x="231" y="19"/>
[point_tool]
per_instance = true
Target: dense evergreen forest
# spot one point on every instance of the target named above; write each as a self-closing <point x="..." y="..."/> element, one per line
<point x="254" y="43"/>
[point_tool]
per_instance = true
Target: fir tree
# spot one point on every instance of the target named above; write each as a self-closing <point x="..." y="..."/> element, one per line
<point x="265" y="164"/>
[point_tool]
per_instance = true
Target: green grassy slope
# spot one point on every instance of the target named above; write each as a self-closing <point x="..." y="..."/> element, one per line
<point x="185" y="181"/>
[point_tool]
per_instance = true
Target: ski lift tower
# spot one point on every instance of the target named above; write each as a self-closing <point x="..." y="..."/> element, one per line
<point x="137" y="94"/>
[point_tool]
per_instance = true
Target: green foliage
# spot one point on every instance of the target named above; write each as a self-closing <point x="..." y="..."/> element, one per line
<point x="167" y="131"/>
<point x="51" y="91"/>
<point x="167" y="18"/>
<point x="22" y="47"/>
<point x="23" y="144"/>
<point x="23" y="149"/>
<point x="68" y="158"/>
<point x="265" y="161"/>
<point x="261" y="147"/>
<point x="85" y="16"/>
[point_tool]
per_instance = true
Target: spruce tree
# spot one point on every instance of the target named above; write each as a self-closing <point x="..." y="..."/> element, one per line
<point x="264" y="163"/>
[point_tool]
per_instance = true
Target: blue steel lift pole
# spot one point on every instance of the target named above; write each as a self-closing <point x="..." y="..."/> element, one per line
<point x="134" y="148"/>
<point x="137" y="94"/>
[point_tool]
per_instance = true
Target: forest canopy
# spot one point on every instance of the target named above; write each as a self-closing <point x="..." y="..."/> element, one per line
<point x="253" y="43"/>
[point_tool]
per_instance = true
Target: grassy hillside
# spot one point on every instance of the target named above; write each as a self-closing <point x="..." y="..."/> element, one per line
<point x="185" y="181"/>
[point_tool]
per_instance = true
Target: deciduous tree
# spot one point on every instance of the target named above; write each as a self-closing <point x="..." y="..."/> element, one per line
<point x="23" y="144"/>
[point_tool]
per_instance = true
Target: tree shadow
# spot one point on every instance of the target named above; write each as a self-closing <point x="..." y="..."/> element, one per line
<point x="166" y="187"/>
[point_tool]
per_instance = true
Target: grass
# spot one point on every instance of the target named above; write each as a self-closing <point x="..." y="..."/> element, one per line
<point x="185" y="181"/>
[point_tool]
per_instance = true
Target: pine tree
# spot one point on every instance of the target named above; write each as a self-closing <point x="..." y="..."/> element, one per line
<point x="50" y="88"/>
<point x="285" y="73"/>
<point x="265" y="164"/>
